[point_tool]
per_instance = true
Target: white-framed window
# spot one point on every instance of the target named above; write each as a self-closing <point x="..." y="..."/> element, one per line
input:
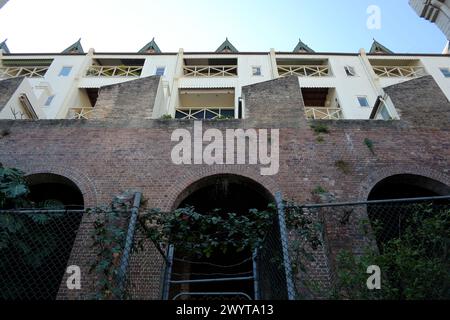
<point x="363" y="102"/>
<point x="256" y="71"/>
<point x="350" y="71"/>
<point x="65" y="71"/>
<point x="445" y="72"/>
<point x="160" y="71"/>
<point x="49" y="100"/>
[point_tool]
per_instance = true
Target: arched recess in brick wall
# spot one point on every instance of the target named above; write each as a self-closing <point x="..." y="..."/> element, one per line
<point x="227" y="193"/>
<point x="173" y="196"/>
<point x="391" y="219"/>
<point x="423" y="174"/>
<point x="35" y="267"/>
<point x="79" y="179"/>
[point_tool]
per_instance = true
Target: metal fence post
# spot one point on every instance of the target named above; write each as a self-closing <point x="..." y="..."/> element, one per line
<point x="124" y="263"/>
<point x="284" y="245"/>
<point x="168" y="273"/>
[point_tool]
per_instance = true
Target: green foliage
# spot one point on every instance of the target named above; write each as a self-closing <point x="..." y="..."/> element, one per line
<point x="166" y="117"/>
<point x="369" y="144"/>
<point x="200" y="234"/>
<point x="306" y="235"/>
<point x="320" y="139"/>
<point x="108" y="237"/>
<point x="319" y="128"/>
<point x="221" y="117"/>
<point x="414" y="266"/>
<point x="13" y="188"/>
<point x="319" y="190"/>
<point x="343" y="166"/>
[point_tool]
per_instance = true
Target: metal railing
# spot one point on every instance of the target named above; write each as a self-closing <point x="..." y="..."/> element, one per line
<point x="114" y="71"/>
<point x="210" y="71"/>
<point x="323" y="113"/>
<point x="30" y="72"/>
<point x="399" y="71"/>
<point x="304" y="70"/>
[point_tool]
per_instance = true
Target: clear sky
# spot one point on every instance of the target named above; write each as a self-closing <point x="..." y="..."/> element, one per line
<point x="202" y="25"/>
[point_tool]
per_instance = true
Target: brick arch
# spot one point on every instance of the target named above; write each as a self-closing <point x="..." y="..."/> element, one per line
<point x="419" y="170"/>
<point x="191" y="177"/>
<point x="81" y="180"/>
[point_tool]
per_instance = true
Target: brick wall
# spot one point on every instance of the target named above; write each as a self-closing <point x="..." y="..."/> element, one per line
<point x="128" y="100"/>
<point x="7" y="89"/>
<point x="105" y="157"/>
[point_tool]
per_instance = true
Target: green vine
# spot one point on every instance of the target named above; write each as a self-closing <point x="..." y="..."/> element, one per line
<point x="108" y="237"/>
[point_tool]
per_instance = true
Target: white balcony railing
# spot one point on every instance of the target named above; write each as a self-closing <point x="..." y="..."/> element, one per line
<point x="205" y="113"/>
<point x="29" y="72"/>
<point x="323" y="113"/>
<point x="210" y="71"/>
<point x="80" y="113"/>
<point x="304" y="71"/>
<point x="114" y="71"/>
<point x="399" y="71"/>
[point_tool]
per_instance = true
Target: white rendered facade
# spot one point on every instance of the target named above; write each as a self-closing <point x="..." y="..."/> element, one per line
<point x="59" y="86"/>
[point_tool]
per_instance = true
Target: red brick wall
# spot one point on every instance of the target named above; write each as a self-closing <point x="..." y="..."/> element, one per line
<point x="106" y="157"/>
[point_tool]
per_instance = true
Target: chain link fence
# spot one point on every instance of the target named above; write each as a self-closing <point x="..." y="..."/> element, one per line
<point x="408" y="239"/>
<point x="322" y="256"/>
<point x="35" y="246"/>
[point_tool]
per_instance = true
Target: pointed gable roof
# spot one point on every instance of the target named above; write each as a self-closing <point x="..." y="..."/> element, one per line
<point x="150" y="47"/>
<point x="302" y="47"/>
<point x="75" y="48"/>
<point x="226" y="46"/>
<point x="4" y="47"/>
<point x="379" y="48"/>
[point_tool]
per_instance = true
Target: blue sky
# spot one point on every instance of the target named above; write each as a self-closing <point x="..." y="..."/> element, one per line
<point x="202" y="25"/>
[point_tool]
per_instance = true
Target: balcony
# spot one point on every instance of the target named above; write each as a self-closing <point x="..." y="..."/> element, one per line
<point x="116" y="68"/>
<point x="321" y="103"/>
<point x="323" y="113"/>
<point x="24" y="68"/>
<point x="398" y="68"/>
<point x="114" y="71"/>
<point x="211" y="113"/>
<point x="210" y="68"/>
<point x="202" y="104"/>
<point x="399" y="72"/>
<point x="303" y="68"/>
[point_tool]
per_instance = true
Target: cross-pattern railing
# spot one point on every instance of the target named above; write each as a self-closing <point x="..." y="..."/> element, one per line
<point x="323" y="113"/>
<point x="304" y="71"/>
<point x="114" y="71"/>
<point x="80" y="113"/>
<point x="399" y="71"/>
<point x="210" y="71"/>
<point x="204" y="113"/>
<point x="31" y="72"/>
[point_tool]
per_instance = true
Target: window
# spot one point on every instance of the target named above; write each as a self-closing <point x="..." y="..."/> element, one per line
<point x="256" y="71"/>
<point x="49" y="100"/>
<point x="363" y="102"/>
<point x="445" y="72"/>
<point x="350" y="71"/>
<point x="65" y="71"/>
<point x="160" y="71"/>
<point x="385" y="114"/>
